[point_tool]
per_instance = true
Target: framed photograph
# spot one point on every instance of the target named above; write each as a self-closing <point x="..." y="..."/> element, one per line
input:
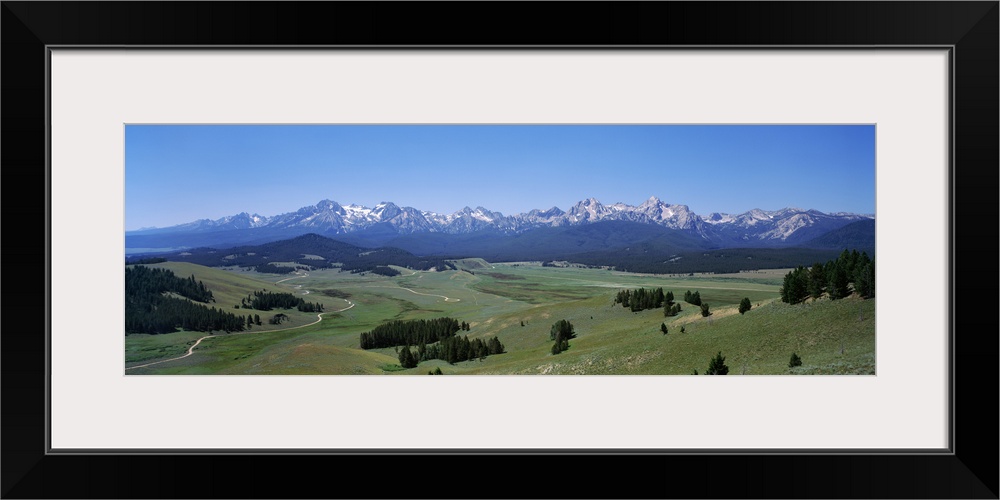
<point x="417" y="284"/>
<point x="160" y="119"/>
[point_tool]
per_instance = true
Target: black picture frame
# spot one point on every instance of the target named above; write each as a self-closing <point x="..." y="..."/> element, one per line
<point x="969" y="28"/>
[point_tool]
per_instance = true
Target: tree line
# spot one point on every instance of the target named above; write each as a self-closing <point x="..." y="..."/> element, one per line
<point x="262" y="300"/>
<point x="334" y="253"/>
<point x="374" y="269"/>
<point x="451" y="349"/>
<point x="652" y="298"/>
<point x="851" y="272"/>
<point x="148" y="310"/>
<point x="411" y="332"/>
<point x="167" y="314"/>
<point x="147" y="260"/>
<point x="142" y="280"/>
<point x="273" y="269"/>
<point x="641" y="299"/>
<point x="650" y="259"/>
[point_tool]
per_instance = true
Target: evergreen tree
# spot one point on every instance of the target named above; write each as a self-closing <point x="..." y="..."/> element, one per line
<point x="562" y="328"/>
<point x="495" y="347"/>
<point x="663" y="328"/>
<point x="864" y="277"/>
<point x="852" y="264"/>
<point x="795" y="287"/>
<point x="561" y="332"/>
<point x="838" y="281"/>
<point x="671" y="308"/>
<point x="693" y="298"/>
<point x="794" y="361"/>
<point x="744" y="305"/>
<point x="704" y="310"/>
<point x="817" y="281"/>
<point x="406" y="359"/>
<point x="717" y="366"/>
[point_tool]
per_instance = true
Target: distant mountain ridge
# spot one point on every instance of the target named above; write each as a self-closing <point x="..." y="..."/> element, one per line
<point x="754" y="228"/>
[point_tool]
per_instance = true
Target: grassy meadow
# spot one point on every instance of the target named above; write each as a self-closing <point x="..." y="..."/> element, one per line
<point x="518" y="303"/>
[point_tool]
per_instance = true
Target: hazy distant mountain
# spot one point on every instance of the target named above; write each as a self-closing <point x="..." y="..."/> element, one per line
<point x="860" y="235"/>
<point x="387" y="221"/>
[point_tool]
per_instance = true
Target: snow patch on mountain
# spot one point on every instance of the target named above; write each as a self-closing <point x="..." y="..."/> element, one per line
<point x="330" y="217"/>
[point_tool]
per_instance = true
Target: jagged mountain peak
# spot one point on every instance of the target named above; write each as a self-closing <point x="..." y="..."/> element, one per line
<point x="330" y="217"/>
<point x="652" y="201"/>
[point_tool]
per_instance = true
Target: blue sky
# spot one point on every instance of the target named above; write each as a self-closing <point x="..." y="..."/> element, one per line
<point x="180" y="173"/>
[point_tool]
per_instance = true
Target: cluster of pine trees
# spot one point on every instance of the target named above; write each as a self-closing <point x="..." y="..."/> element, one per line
<point x="641" y="299"/>
<point x="835" y="279"/>
<point x="561" y="332"/>
<point x="147" y="260"/>
<point x="273" y="269"/>
<point x="142" y="280"/>
<point x="451" y="349"/>
<point x="692" y="298"/>
<point x="148" y="310"/>
<point x="670" y="308"/>
<point x="262" y="300"/>
<point x="167" y="314"/>
<point x="310" y="307"/>
<point x="382" y="270"/>
<point x="407" y="333"/>
<point x="650" y="259"/>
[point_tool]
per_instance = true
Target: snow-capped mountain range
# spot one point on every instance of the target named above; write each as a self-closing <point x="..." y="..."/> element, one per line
<point x="331" y="218"/>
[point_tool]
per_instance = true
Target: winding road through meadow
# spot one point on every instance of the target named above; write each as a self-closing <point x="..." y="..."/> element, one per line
<point x="190" y="351"/>
<point x="446" y="299"/>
